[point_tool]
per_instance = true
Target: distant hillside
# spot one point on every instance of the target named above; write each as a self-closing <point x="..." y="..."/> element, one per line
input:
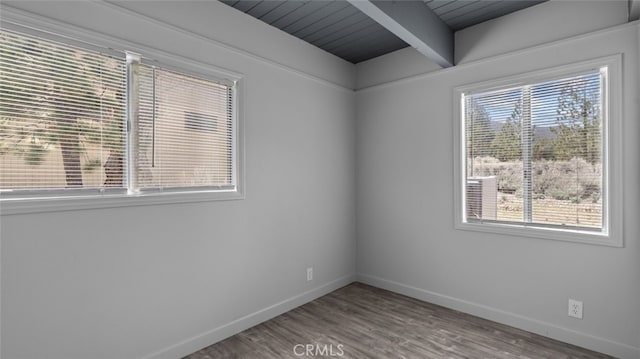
<point x="538" y="131"/>
<point x="543" y="132"/>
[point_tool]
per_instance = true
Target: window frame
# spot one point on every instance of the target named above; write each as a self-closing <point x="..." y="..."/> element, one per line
<point x="611" y="234"/>
<point x="58" y="199"/>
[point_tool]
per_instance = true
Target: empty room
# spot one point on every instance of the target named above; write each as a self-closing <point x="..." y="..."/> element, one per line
<point x="207" y="179"/>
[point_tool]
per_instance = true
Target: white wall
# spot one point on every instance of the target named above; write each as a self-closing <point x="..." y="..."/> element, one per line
<point x="164" y="281"/>
<point x="403" y="63"/>
<point x="536" y="25"/>
<point x="555" y="19"/>
<point x="405" y="226"/>
<point x="237" y="30"/>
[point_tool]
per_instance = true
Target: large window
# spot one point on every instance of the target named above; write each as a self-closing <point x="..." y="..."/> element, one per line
<point x="61" y="116"/>
<point x="534" y="153"/>
<point x="75" y="121"/>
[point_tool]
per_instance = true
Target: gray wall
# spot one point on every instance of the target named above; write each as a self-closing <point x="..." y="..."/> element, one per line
<point x="405" y="227"/>
<point x="164" y="281"/>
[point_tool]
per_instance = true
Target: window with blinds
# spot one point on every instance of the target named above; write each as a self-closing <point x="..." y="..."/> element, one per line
<point x="184" y="130"/>
<point x="61" y="116"/>
<point x="76" y="120"/>
<point x="533" y="153"/>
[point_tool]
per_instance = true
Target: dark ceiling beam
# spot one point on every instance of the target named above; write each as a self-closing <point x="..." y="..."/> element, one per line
<point x="416" y="24"/>
<point x="634" y="10"/>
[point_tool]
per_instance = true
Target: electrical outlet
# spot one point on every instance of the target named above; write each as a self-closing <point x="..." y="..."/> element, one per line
<point x="309" y="274"/>
<point x="575" y="308"/>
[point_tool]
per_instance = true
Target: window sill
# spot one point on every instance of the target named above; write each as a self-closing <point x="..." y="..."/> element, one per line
<point x="74" y="203"/>
<point x="585" y="237"/>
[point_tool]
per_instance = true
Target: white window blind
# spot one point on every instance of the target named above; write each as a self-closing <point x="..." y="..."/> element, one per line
<point x="77" y="122"/>
<point x="534" y="153"/>
<point x="184" y="130"/>
<point x="61" y="116"/>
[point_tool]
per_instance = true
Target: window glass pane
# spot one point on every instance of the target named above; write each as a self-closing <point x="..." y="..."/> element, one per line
<point x="185" y="130"/>
<point x="61" y="116"/>
<point x="494" y="163"/>
<point x="567" y="140"/>
<point x="534" y="153"/>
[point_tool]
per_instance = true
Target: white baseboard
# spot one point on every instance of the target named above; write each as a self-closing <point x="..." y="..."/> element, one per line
<point x="566" y="335"/>
<point x="215" y="335"/>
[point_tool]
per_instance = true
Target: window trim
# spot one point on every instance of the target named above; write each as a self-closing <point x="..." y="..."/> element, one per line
<point x="612" y="156"/>
<point x="56" y="200"/>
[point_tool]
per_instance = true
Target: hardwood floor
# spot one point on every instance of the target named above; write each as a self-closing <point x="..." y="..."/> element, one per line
<point x="359" y="321"/>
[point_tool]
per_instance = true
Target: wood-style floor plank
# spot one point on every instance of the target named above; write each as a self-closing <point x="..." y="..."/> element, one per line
<point x="363" y="322"/>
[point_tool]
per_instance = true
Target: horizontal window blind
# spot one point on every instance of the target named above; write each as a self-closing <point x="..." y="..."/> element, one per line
<point x="74" y="120"/>
<point x="185" y="130"/>
<point x="534" y="153"/>
<point x="61" y="116"/>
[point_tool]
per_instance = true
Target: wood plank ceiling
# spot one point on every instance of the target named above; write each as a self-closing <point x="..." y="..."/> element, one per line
<point x="339" y="28"/>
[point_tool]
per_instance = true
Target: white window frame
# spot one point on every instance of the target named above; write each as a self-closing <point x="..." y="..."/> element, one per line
<point x="53" y="201"/>
<point x="611" y="235"/>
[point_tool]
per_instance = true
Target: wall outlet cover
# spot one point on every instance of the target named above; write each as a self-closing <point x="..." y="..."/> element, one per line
<point x="575" y="308"/>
